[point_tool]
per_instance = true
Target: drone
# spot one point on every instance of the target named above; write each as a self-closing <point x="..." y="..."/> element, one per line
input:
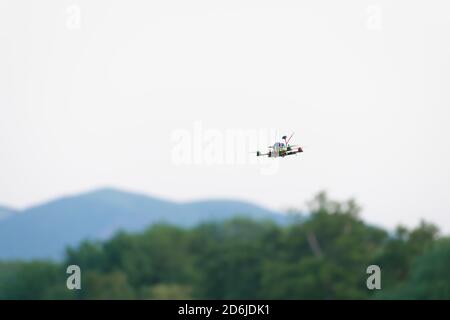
<point x="280" y="149"/>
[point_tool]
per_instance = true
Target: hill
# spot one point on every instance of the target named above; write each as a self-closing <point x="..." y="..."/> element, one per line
<point x="5" y="212"/>
<point x="44" y="231"/>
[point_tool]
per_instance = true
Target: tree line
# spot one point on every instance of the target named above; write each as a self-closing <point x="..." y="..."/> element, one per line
<point x="323" y="255"/>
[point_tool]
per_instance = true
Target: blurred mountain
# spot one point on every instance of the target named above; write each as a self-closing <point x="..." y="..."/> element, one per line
<point x="46" y="230"/>
<point x="5" y="212"/>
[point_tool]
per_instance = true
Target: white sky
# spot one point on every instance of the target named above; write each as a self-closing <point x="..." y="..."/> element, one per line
<point x="365" y="86"/>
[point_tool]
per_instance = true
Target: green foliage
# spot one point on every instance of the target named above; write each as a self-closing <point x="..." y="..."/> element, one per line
<point x="167" y="292"/>
<point x="33" y="280"/>
<point x="321" y="256"/>
<point x="109" y="286"/>
<point x="430" y="276"/>
<point x="398" y="254"/>
<point x="230" y="258"/>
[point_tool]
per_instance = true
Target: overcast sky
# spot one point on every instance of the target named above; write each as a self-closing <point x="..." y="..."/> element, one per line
<point x="93" y="93"/>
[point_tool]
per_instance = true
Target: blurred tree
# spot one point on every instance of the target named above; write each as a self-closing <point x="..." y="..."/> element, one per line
<point x="230" y="261"/>
<point x="88" y="255"/>
<point x="400" y="251"/>
<point x="430" y="276"/>
<point x="101" y="286"/>
<point x="36" y="280"/>
<point x="166" y="292"/>
<point x="324" y="257"/>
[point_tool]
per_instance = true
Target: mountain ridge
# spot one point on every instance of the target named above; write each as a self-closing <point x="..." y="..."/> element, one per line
<point x="44" y="231"/>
